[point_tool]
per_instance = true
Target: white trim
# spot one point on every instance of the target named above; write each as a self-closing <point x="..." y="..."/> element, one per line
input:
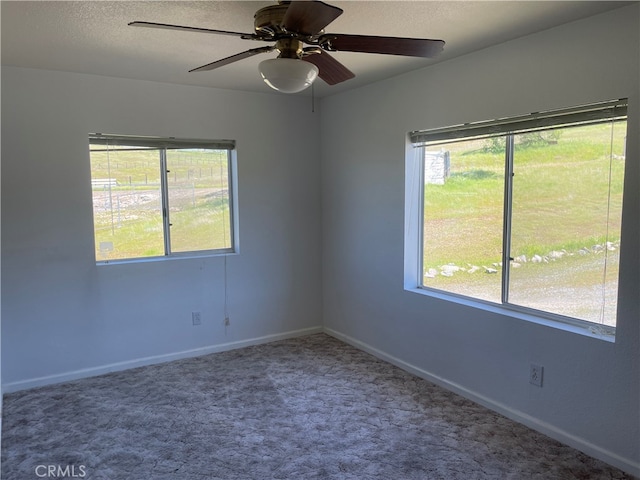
<point x="235" y="218"/>
<point x="626" y="464"/>
<point x="144" y="361"/>
<point x="197" y="255"/>
<point x="413" y="178"/>
<point x="541" y="318"/>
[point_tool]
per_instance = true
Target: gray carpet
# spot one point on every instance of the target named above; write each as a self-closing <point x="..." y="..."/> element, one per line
<point x="306" y="408"/>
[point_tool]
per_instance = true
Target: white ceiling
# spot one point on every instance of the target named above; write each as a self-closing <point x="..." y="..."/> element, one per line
<point x="93" y="36"/>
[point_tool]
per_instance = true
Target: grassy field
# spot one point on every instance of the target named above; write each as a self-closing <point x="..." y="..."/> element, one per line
<point x="128" y="208"/>
<point x="561" y="211"/>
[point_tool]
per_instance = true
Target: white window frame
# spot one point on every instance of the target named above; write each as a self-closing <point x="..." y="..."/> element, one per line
<point x="162" y="144"/>
<point x="414" y="205"/>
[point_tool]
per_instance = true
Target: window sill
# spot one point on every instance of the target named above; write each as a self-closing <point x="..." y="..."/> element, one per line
<point x="588" y="330"/>
<point x="165" y="258"/>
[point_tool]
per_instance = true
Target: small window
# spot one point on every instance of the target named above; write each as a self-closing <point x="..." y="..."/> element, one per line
<point x="157" y="197"/>
<point x="526" y="212"/>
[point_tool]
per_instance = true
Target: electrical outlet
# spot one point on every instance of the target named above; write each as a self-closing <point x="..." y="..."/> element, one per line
<point x="195" y="318"/>
<point x="535" y="374"/>
<point x="227" y="321"/>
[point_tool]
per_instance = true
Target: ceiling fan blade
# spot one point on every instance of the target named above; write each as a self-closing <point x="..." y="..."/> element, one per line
<point x="331" y="70"/>
<point x="410" y="47"/>
<point x="309" y="17"/>
<point x="192" y="29"/>
<point x="232" y="58"/>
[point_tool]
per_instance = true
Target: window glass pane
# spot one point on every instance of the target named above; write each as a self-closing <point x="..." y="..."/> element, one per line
<point x="198" y="185"/>
<point x="463" y="216"/>
<point x="127" y="209"/>
<point x="565" y="233"/>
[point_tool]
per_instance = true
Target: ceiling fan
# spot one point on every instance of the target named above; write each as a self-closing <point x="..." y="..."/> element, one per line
<point x="291" y="25"/>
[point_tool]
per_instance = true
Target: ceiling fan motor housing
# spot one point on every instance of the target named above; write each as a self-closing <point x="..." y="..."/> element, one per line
<point x="268" y="20"/>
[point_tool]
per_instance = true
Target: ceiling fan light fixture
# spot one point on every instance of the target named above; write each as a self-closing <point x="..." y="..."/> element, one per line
<point x="288" y="75"/>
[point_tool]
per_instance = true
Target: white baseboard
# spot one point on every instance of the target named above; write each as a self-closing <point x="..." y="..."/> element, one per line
<point x="547" y="429"/>
<point x="141" y="362"/>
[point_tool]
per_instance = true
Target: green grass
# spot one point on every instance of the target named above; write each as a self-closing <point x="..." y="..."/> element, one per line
<point x="140" y="167"/>
<point x="560" y="202"/>
<point x="200" y="227"/>
<point x="129" y="214"/>
<point x="560" y="199"/>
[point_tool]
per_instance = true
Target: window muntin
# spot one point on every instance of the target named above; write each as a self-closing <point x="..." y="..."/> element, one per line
<point x="535" y="226"/>
<point x="157" y="197"/>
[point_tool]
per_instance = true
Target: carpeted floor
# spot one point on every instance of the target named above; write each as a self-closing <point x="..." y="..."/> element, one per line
<point x="306" y="408"/>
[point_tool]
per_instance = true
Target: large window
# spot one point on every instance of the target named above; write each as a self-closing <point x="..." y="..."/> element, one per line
<point x="526" y="212"/>
<point x="156" y="197"/>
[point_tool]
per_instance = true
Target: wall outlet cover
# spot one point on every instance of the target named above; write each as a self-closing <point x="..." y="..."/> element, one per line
<point x="535" y="375"/>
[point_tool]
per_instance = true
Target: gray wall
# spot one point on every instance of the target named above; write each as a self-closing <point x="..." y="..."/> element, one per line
<point x="62" y="316"/>
<point x="590" y="398"/>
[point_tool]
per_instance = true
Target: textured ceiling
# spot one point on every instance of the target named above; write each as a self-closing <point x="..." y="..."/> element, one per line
<point x="93" y="36"/>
